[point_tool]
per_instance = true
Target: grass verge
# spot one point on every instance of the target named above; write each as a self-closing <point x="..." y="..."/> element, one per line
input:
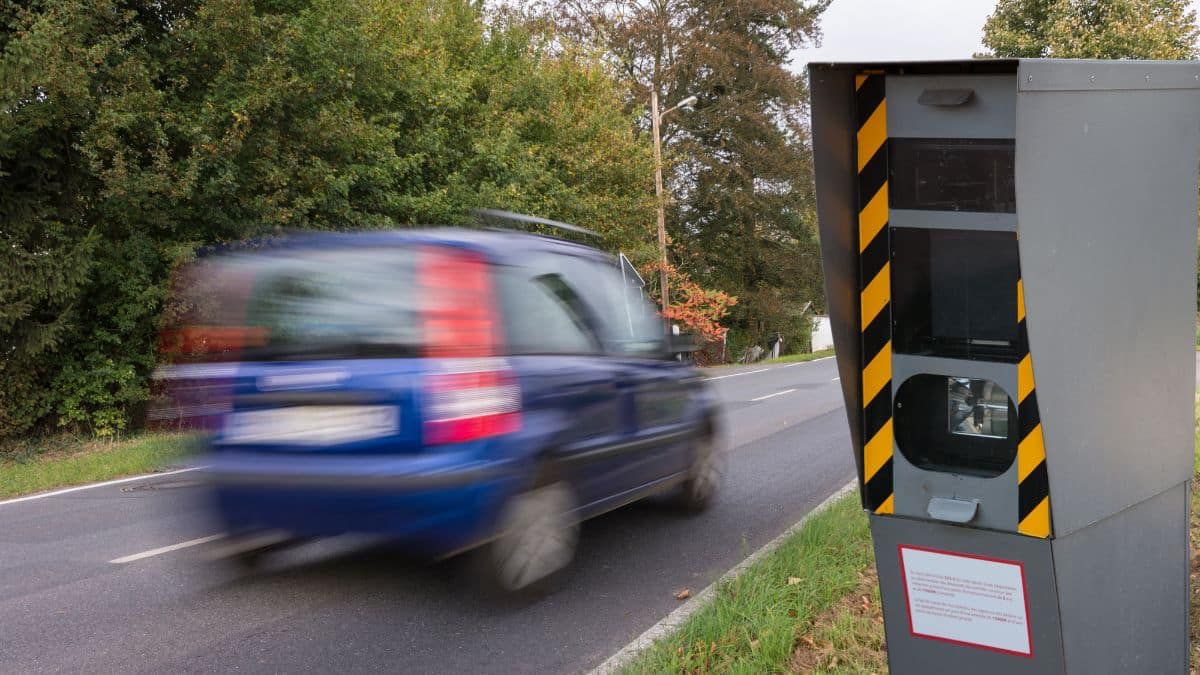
<point x="795" y="358"/>
<point x="789" y="358"/>
<point x="751" y="624"/>
<point x="44" y="464"/>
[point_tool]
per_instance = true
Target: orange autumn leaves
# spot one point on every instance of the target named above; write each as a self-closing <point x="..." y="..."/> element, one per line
<point x="697" y="309"/>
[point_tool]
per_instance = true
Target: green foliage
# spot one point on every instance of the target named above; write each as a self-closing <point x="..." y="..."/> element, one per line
<point x="132" y="132"/>
<point x="1093" y="29"/>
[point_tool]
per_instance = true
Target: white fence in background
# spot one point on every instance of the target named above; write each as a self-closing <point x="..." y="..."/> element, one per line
<point x="822" y="337"/>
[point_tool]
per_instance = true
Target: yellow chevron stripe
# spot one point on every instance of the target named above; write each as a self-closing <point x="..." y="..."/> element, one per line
<point x="1020" y="301"/>
<point x="876" y="295"/>
<point x="1024" y="378"/>
<point x="877" y="373"/>
<point x="1030" y="452"/>
<point x="873" y="218"/>
<point x="877" y="451"/>
<point x="1037" y="523"/>
<point x="872" y="135"/>
<point x="874" y="298"/>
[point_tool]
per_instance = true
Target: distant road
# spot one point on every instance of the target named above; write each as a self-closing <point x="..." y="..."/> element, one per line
<point x="349" y="605"/>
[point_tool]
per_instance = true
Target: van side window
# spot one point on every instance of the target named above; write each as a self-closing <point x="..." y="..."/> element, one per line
<point x="629" y="325"/>
<point x="541" y="314"/>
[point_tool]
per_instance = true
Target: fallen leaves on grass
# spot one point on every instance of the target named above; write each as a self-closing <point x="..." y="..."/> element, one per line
<point x="792" y="581"/>
<point x="846" y="638"/>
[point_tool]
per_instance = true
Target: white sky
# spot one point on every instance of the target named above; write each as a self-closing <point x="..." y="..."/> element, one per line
<point x="885" y="30"/>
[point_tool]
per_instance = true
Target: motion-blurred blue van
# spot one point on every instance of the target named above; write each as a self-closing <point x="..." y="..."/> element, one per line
<point x="451" y="389"/>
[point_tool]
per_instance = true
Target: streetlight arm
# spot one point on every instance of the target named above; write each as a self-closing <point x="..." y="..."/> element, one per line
<point x="685" y="103"/>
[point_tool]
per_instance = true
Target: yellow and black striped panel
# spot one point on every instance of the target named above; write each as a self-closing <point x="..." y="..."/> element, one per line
<point x="1033" y="484"/>
<point x="875" y="291"/>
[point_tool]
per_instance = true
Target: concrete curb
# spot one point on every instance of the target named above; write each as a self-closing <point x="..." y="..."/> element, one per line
<point x="671" y="622"/>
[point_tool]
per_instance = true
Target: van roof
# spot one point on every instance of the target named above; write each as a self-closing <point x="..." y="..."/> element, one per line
<point x="497" y="244"/>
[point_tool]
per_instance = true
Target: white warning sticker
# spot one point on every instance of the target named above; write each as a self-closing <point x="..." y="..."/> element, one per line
<point x="966" y="599"/>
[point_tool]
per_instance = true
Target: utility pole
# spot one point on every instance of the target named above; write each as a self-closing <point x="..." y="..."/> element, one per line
<point x="655" y="120"/>
<point x="655" y="128"/>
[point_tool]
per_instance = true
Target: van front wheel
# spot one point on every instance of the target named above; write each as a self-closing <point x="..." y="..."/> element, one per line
<point x="537" y="540"/>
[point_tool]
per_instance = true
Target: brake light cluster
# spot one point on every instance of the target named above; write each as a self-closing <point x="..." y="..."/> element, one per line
<point x="458" y="317"/>
<point x="478" y="396"/>
<point x="468" y="406"/>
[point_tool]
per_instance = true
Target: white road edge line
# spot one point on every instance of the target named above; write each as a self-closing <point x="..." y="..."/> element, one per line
<point x="763" y="370"/>
<point x="748" y="372"/>
<point x="165" y="549"/>
<point x="89" y="486"/>
<point x="835" y="379"/>
<point x="800" y="363"/>
<point x="671" y="622"/>
<point x="778" y="393"/>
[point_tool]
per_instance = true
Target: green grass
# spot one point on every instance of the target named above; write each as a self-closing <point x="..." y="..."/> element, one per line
<point x="794" y="358"/>
<point x="751" y="625"/>
<point x="44" y="464"/>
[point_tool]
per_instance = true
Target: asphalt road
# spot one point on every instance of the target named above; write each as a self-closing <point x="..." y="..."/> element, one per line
<point x="353" y="605"/>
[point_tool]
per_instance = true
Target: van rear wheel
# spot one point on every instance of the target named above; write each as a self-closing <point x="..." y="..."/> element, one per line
<point x="537" y="540"/>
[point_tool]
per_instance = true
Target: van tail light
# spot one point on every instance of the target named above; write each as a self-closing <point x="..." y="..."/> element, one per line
<point x="458" y="314"/>
<point x="468" y="406"/>
<point x="476" y="396"/>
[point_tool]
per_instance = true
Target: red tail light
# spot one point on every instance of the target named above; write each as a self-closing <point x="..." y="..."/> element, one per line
<point x="478" y="397"/>
<point x="467" y="406"/>
<point x="458" y="315"/>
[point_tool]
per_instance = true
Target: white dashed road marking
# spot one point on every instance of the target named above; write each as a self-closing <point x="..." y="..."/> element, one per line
<point x="165" y="549"/>
<point x="778" y="393"/>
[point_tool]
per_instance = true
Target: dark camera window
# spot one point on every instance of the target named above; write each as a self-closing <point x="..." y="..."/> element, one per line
<point x="955" y="294"/>
<point x="956" y="425"/>
<point x="952" y="174"/>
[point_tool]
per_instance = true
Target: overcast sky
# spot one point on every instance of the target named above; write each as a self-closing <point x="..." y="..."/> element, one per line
<point x="884" y="30"/>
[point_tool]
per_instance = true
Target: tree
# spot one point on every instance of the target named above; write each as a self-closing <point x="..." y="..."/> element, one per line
<point x="740" y="163"/>
<point x="133" y="131"/>
<point x="699" y="309"/>
<point x="1095" y="29"/>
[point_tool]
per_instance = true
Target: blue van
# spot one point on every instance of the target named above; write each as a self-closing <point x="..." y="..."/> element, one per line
<point x="451" y="389"/>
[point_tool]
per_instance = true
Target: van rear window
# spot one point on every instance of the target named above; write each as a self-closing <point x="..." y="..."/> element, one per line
<point x="340" y="303"/>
